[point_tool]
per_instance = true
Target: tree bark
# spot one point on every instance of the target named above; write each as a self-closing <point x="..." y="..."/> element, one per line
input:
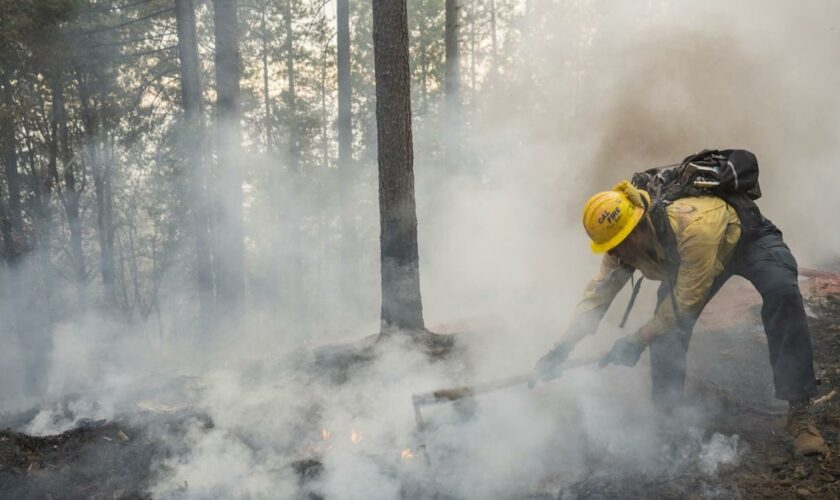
<point x="193" y="148"/>
<point x="401" y="302"/>
<point x="452" y="84"/>
<point x="14" y="214"/>
<point x="230" y="250"/>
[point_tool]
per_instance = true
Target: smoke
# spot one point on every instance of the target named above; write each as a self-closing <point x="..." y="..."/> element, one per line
<point x="589" y="93"/>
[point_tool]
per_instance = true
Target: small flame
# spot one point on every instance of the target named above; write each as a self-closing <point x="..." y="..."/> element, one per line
<point x="355" y="436"/>
<point x="325" y="434"/>
<point x="407" y="454"/>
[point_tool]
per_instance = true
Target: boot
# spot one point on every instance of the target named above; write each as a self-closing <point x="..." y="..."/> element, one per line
<point x="806" y="438"/>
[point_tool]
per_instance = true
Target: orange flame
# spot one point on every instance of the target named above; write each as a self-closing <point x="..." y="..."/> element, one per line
<point x="407" y="454"/>
<point x="355" y="436"/>
<point x="325" y="434"/>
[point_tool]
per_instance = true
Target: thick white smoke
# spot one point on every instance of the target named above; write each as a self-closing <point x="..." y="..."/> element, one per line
<point x="591" y="92"/>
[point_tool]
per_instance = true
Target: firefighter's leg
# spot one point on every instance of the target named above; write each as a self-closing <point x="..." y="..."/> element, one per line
<point x="768" y="264"/>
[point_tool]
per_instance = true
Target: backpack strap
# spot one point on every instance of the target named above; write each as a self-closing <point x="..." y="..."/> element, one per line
<point x="636" y="286"/>
<point x="668" y="240"/>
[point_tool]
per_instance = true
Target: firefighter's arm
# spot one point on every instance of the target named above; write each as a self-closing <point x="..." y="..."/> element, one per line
<point x="597" y="297"/>
<point x="698" y="246"/>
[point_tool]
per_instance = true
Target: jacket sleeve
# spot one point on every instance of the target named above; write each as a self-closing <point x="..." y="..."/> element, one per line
<point x="597" y="297"/>
<point x="698" y="244"/>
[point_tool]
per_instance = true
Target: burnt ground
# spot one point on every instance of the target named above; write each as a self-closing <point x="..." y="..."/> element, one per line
<point x="96" y="459"/>
<point x="731" y="336"/>
<point x="118" y="459"/>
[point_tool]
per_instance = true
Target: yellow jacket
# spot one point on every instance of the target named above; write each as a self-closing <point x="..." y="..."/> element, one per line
<point x="706" y="230"/>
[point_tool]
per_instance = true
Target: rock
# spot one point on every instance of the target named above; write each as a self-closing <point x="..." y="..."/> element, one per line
<point x="803" y="492"/>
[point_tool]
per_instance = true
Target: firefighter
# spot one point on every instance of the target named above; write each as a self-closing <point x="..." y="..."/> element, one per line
<point x="706" y="234"/>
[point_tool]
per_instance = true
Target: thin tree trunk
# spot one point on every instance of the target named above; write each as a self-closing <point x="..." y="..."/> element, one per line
<point x="230" y="251"/>
<point x="135" y="274"/>
<point x="275" y="274"/>
<point x="346" y="176"/>
<point x="323" y="188"/>
<point x="10" y="149"/>
<point x="294" y="151"/>
<point x="401" y="302"/>
<point x="494" y="63"/>
<point x="70" y="193"/>
<point x="269" y="147"/>
<point x="325" y="147"/>
<point x="297" y="300"/>
<point x="95" y="144"/>
<point x="452" y="84"/>
<point x="9" y="252"/>
<point x="193" y="147"/>
<point x="472" y="53"/>
<point x="127" y="306"/>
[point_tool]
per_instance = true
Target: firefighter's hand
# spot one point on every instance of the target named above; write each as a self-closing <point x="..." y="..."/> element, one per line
<point x="624" y="352"/>
<point x="547" y="365"/>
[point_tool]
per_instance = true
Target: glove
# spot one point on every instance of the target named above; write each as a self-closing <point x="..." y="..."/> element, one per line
<point x="624" y="352"/>
<point x="636" y="196"/>
<point x="546" y="366"/>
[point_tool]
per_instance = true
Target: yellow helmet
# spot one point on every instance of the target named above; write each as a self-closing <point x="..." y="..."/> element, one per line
<point x="610" y="216"/>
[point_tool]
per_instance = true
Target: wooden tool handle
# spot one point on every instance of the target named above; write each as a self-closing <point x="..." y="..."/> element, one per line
<point x="466" y="391"/>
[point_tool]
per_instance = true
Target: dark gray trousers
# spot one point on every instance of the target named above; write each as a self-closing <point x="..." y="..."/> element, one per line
<point x="769" y="265"/>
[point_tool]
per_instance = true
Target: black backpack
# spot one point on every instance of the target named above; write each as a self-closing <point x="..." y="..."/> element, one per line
<point x="723" y="173"/>
<point x="730" y="174"/>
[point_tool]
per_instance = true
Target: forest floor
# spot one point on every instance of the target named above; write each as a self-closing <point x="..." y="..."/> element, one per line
<point x="767" y="468"/>
<point x="121" y="459"/>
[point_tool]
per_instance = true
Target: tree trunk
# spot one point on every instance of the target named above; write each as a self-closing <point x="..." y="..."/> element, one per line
<point x="494" y="63"/>
<point x="324" y="186"/>
<point x="472" y="53"/>
<point x="10" y="153"/>
<point x="95" y="139"/>
<point x="294" y="151"/>
<point x="347" y="252"/>
<point x="266" y="98"/>
<point x="452" y="84"/>
<point x="230" y="250"/>
<point x="9" y="252"/>
<point x="70" y="193"/>
<point x="193" y="141"/>
<point x="401" y="303"/>
<point x="294" y="210"/>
